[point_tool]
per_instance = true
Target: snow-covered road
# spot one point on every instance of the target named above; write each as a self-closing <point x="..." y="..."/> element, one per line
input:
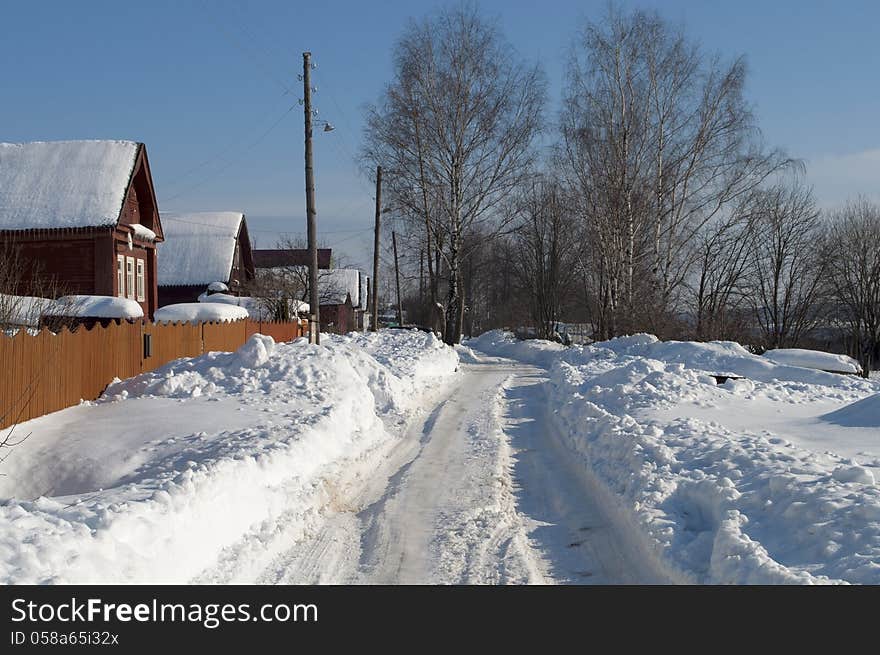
<point x="476" y="492"/>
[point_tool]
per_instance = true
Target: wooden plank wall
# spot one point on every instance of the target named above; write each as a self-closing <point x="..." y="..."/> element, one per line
<point x="44" y="372"/>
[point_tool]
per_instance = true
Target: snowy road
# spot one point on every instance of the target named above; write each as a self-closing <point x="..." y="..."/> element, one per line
<point x="476" y="492"/>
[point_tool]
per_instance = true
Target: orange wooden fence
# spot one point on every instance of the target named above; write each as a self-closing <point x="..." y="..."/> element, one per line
<point x="48" y="371"/>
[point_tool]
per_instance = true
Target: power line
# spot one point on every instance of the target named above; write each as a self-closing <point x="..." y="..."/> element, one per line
<point x="239" y="43"/>
<point x="233" y="161"/>
<point x="212" y="158"/>
<point x="220" y="227"/>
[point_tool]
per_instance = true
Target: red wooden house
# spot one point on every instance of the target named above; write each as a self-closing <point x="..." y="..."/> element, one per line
<point x="201" y="248"/>
<point x="83" y="214"/>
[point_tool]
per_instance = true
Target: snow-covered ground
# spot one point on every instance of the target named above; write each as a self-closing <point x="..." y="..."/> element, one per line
<point x="191" y="471"/>
<point x="767" y="479"/>
<point x="392" y="458"/>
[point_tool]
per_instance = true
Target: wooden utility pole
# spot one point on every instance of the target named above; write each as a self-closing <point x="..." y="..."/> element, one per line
<point x="374" y="324"/>
<point x="397" y="275"/>
<point x="311" y="212"/>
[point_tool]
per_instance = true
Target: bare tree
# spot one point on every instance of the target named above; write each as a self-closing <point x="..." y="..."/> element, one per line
<point x="788" y="271"/>
<point x="658" y="140"/>
<point x="725" y="249"/>
<point x="283" y="288"/>
<point x="455" y="131"/>
<point x="853" y="258"/>
<point x="25" y="291"/>
<point x="544" y="246"/>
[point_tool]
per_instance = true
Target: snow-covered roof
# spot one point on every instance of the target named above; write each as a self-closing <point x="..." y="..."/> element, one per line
<point x="63" y="184"/>
<point x="199" y="312"/>
<point x="198" y="248"/>
<point x="335" y="284"/>
<point x="95" y="307"/>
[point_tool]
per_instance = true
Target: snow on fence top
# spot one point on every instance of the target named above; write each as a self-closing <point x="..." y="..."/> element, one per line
<point x="813" y="359"/>
<point x="198" y="248"/>
<point x="63" y="184"/>
<point x="23" y="310"/>
<point x="258" y="309"/>
<point x="95" y="307"/>
<point x="200" y="312"/>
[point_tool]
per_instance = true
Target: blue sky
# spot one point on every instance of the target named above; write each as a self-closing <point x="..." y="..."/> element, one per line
<point x="211" y="88"/>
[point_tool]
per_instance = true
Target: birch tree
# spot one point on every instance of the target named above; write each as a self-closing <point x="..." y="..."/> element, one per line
<point x="658" y="140"/>
<point x="455" y="128"/>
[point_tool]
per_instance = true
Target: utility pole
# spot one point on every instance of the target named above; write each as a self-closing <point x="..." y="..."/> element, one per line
<point x="374" y="324"/>
<point x="311" y="212"/>
<point x="397" y="275"/>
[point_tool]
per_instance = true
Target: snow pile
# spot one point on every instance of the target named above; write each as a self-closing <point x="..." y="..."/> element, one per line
<point x="23" y="310"/>
<point x="500" y="343"/>
<point x="863" y="413"/>
<point x="814" y="359"/>
<point x="723" y="483"/>
<point x="198" y="312"/>
<point x="62" y="184"/>
<point x="426" y="359"/>
<point x="257" y="308"/>
<point x="95" y="307"/>
<point x="226" y="460"/>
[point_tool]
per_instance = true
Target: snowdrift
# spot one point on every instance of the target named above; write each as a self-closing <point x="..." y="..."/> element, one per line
<point x="814" y="359"/>
<point x="710" y="503"/>
<point x="257" y="437"/>
<point x="864" y="413"/>
<point x="500" y="343"/>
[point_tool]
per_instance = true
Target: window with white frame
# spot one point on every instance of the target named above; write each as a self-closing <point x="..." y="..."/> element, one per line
<point x="120" y="276"/>
<point x="129" y="277"/>
<point x="140" y="280"/>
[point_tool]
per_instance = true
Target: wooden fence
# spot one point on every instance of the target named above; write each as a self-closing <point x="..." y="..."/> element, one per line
<point x="44" y="372"/>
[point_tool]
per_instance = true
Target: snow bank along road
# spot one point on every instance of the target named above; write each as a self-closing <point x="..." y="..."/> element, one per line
<point x="771" y="478"/>
<point x="376" y="458"/>
<point x="391" y="458"/>
<point x="476" y="492"/>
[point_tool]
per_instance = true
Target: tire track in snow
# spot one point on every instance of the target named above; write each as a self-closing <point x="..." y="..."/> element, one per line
<point x="476" y="492"/>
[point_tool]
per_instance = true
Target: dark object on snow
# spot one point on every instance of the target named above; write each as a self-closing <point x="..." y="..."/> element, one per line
<point x="721" y="379"/>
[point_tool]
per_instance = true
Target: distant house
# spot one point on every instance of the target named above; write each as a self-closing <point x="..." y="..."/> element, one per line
<point x="200" y="249"/>
<point x="82" y="214"/>
<point x="343" y="295"/>
<point x="266" y="258"/>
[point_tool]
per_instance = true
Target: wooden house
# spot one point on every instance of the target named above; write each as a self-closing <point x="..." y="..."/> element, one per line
<point x="200" y="249"/>
<point x="83" y="215"/>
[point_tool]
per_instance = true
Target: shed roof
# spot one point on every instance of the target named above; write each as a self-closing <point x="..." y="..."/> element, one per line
<point x="64" y="184"/>
<point x="199" y="247"/>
